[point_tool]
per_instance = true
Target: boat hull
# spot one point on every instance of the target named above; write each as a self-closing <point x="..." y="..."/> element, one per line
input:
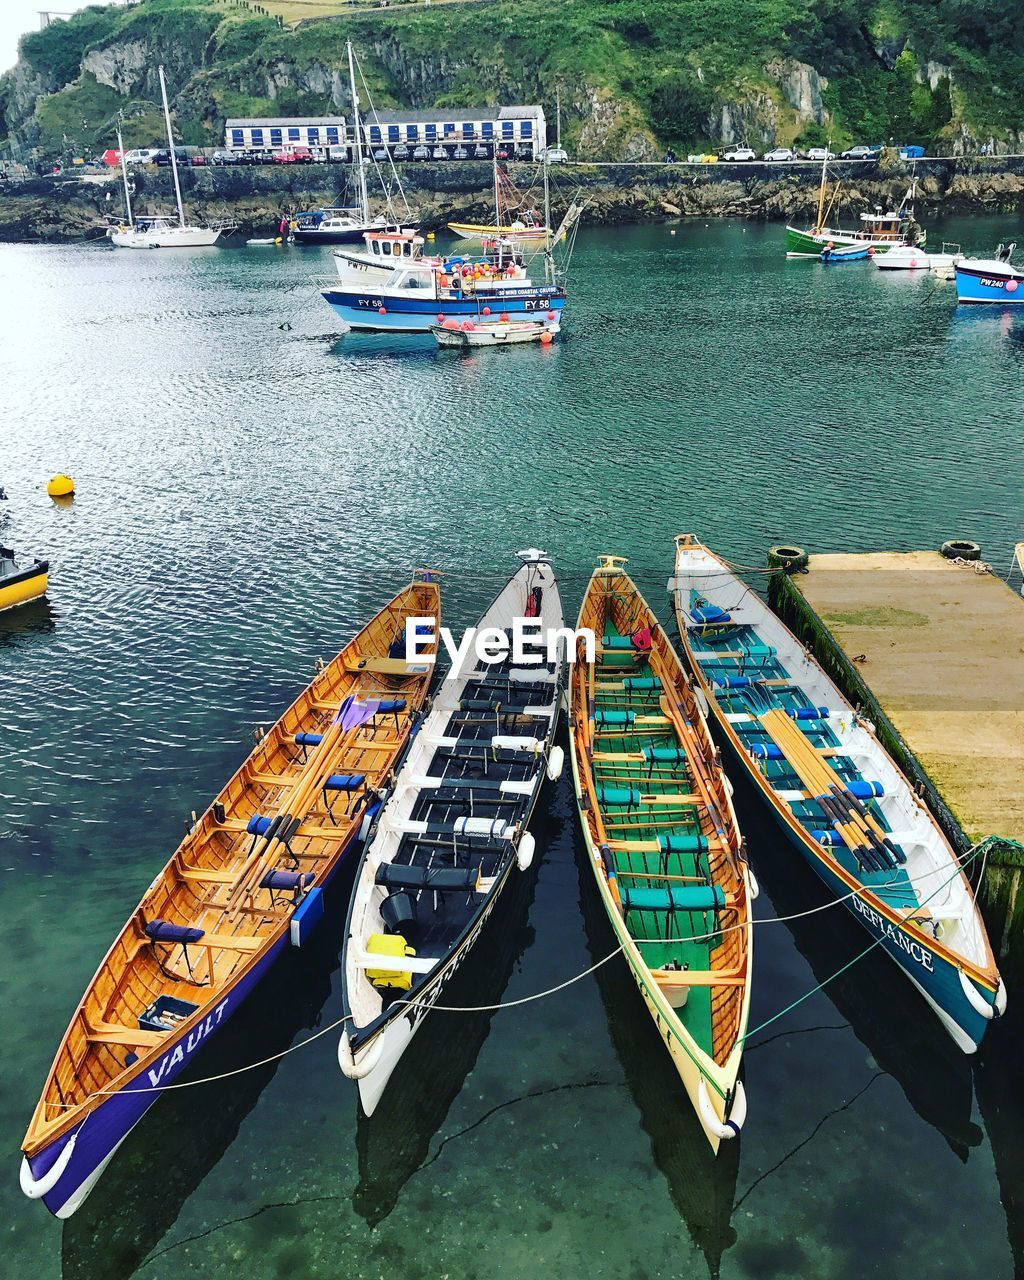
<point x="809" y="244"/>
<point x="383" y="313"/>
<point x="352" y="235"/>
<point x="170" y="238"/>
<point x="101" y="1132"/>
<point x="20" y="588"/>
<point x="976" y="285"/>
<point x="493" y="335"/>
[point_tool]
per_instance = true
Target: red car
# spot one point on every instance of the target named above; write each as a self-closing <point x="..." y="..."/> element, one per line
<point x="294" y="155"/>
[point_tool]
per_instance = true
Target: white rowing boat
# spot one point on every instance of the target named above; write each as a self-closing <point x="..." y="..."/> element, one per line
<point x="452" y="832"/>
<point x="497" y="333"/>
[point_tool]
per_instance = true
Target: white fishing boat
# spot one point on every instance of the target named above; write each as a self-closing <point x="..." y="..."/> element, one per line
<point x="451" y="835"/>
<point x="161" y="232"/>
<point x="911" y="257"/>
<point x="498" y="333"/>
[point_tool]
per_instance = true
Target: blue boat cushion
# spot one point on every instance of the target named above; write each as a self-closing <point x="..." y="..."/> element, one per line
<point x="765" y="751"/>
<point x="308" y="739"/>
<point x="423" y="631"/>
<point x="614" y="717"/>
<point x="664" y="755"/>
<point x="809" y="713"/>
<point x="391" y="706"/>
<point x="344" y="782"/>
<point x="402" y="876"/>
<point x="616" y="642"/>
<point x="258" y="825"/>
<point x="830" y="839"/>
<point x="710" y="897"/>
<point x="616" y="797"/>
<point x="710" y="615"/>
<point x="165" y="931"/>
<point x="862" y="789"/>
<point x="287" y="880"/>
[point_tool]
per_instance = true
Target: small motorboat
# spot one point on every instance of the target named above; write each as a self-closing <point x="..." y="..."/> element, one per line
<point x="833" y="253"/>
<point x="993" y="280"/>
<point x="452" y="833"/>
<point x="911" y="257"/>
<point x="493" y="333"/>
<point x="663" y="843"/>
<point x="20" y="582"/>
<point x="246" y="883"/>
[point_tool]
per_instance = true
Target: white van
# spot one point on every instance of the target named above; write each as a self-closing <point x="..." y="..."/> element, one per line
<point x="142" y="155"/>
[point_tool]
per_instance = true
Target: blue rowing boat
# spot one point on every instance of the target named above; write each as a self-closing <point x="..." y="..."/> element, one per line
<point x="832" y="254"/>
<point x="836" y="793"/>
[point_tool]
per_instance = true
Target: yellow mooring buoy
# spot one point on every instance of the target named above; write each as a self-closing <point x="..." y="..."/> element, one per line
<point x="61" y="486"/>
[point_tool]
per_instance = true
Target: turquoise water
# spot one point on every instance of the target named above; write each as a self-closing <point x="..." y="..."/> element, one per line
<point x="251" y="487"/>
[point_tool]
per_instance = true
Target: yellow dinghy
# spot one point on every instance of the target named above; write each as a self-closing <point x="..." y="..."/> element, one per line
<point x="20" y="583"/>
<point x="663" y="843"/>
<point x="246" y="881"/>
<point x="518" y="233"/>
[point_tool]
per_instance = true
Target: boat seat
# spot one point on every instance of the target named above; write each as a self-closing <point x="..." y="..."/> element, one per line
<point x="395" y="875"/>
<point x="308" y="739"/>
<point x="294" y="882"/>
<point x="165" y="931"/>
<point x="130" y="1037"/>
<point x="677" y="898"/>
<point x="347" y="782"/>
<point x="390" y="666"/>
<point x="617" y="642"/>
<point x="710" y="615"/>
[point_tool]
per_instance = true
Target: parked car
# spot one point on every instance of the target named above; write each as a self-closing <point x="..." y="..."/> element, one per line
<point x="294" y="155"/>
<point x="555" y="155"/>
<point x="381" y="153"/>
<point x="401" y="152"/>
<point x="258" y="155"/>
<point x="337" y="155"/>
<point x="779" y="154"/>
<point x="163" y="157"/>
<point x="505" y="153"/>
<point x="460" y="153"/>
<point x="439" y="153"/>
<point x="142" y="155"/>
<point x="859" y="152"/>
<point x="421" y="153"/>
<point x="912" y="152"/>
<point x="739" y="153"/>
<point x="818" y="153"/>
<point x="225" y="157"/>
<point x="480" y="152"/>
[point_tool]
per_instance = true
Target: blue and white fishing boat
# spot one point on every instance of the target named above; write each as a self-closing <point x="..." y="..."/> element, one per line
<point x="994" y="280"/>
<point x="246" y="883"/>
<point x="836" y="793"/>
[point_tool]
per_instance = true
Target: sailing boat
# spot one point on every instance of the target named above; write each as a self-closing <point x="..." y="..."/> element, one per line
<point x="879" y="230"/>
<point x="160" y="232"/>
<point x="349" y="226"/>
<point x="514" y="221"/>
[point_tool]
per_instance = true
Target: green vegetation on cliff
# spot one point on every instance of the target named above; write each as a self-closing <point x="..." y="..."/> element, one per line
<point x="633" y="75"/>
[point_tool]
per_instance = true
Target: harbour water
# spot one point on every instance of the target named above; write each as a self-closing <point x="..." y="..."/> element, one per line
<point x="251" y="486"/>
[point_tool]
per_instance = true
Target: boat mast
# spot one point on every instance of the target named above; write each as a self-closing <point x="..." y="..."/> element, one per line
<point x="821" y="189"/>
<point x="364" y="202"/>
<point x="549" y="266"/>
<point x="558" y="119"/>
<point x="124" y="174"/>
<point x="170" y="143"/>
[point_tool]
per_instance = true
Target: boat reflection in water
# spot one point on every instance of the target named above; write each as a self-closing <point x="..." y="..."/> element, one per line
<point x="169" y="1154"/>
<point x="393" y="1143"/>
<point x="997" y="1075"/>
<point x="902" y="1039"/>
<point x="702" y="1185"/>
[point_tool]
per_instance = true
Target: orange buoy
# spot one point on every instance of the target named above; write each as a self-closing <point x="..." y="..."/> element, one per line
<point x="487" y="311"/>
<point x="61" y="486"/>
<point x="383" y="310"/>
<point x="547" y="336"/>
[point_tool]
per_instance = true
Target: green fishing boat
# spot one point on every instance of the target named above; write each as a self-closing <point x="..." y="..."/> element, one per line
<point x="663" y="843"/>
<point x="879" y="230"/>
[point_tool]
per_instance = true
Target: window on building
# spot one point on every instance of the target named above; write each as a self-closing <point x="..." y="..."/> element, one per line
<point x="487" y="129"/>
<point x="431" y="132"/>
<point x="526" y="129"/>
<point x="276" y="137"/>
<point x="393" y="133"/>
<point x="375" y="133"/>
<point x="468" y="131"/>
<point x="257" y="137"/>
<point x="508" y="129"/>
<point x="313" y="137"/>
<point x="449" y="131"/>
<point x="238" y="137"/>
<point x="332" y="136"/>
<point x="293" y="135"/>
<point x="412" y="133"/>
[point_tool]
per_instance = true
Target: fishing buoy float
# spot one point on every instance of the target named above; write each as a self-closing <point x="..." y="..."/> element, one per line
<point x="1011" y="286"/>
<point x="430" y="235"/>
<point x="503" y="317"/>
<point x="487" y="311"/>
<point x="382" y="310"/>
<point x="546" y="337"/>
<point x="440" y="317"/>
<point x="61" y="486"/>
<point x="551" y="315"/>
<point x="672" y="232"/>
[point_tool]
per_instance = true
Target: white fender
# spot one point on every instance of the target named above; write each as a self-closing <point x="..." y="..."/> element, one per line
<point x="723" y="1129"/>
<point x="755" y="888"/>
<point x="359" y="1070"/>
<point x="556" y="762"/>
<point x="36" y="1188"/>
<point x="730" y="790"/>
<point x="524" y="854"/>
<point x="1000" y="998"/>
<point x="975" y="999"/>
<point x="702" y="702"/>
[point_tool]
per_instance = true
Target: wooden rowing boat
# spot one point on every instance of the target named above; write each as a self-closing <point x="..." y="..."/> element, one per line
<point x="1018" y="555"/>
<point x="247" y="880"/>
<point x="663" y="843"/>
<point x="450" y="836"/>
<point x="836" y="793"/>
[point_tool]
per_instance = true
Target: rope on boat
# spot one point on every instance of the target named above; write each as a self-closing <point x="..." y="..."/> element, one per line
<point x="972" y="853"/>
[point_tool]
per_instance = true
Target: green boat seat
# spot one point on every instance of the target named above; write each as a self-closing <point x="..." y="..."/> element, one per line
<point x="602" y="718"/>
<point x="616" y="642"/>
<point x="695" y="843"/>
<point x="641" y="682"/>
<point x="664" y="755"/>
<point x="618" y="797"/>
<point x="701" y="897"/>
